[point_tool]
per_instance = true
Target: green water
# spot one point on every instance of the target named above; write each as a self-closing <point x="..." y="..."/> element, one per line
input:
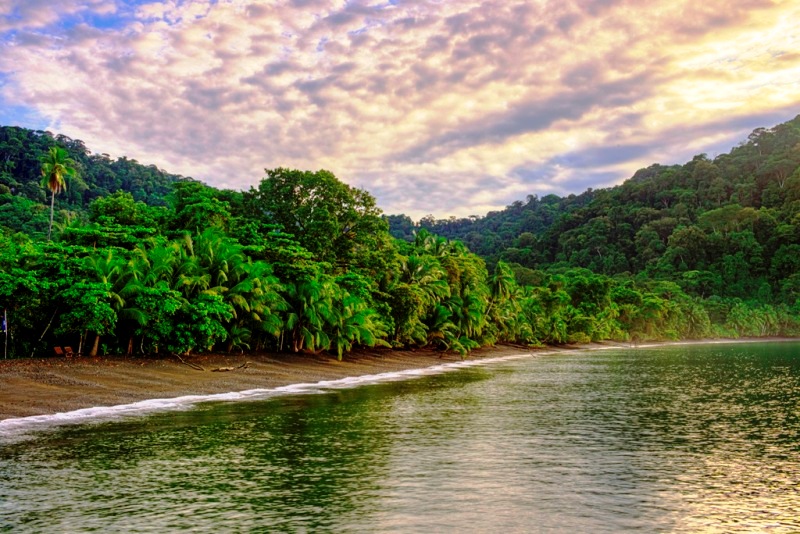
<point x="686" y="438"/>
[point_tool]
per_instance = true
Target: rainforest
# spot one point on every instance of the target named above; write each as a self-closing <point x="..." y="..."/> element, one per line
<point x="115" y="257"/>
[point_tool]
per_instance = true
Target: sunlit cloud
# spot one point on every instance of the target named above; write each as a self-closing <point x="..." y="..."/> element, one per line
<point x="450" y="108"/>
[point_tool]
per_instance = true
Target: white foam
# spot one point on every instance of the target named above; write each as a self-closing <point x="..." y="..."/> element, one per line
<point x="17" y="428"/>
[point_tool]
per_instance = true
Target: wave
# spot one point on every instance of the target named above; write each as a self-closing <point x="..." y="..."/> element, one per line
<point x="18" y="428"/>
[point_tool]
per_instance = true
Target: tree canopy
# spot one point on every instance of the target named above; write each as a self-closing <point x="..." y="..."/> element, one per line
<point x="143" y="262"/>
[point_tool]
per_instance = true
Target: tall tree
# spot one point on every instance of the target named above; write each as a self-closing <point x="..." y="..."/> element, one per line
<point x="56" y="166"/>
<point x="337" y="223"/>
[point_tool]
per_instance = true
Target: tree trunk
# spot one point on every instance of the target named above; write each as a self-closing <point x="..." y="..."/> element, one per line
<point x="95" y="346"/>
<point x="45" y="331"/>
<point x="52" y="206"/>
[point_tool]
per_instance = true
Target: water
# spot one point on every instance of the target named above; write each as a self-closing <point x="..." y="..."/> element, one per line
<point x="684" y="439"/>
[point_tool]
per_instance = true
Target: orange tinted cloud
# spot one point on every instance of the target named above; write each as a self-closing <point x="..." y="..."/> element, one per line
<point x="435" y="107"/>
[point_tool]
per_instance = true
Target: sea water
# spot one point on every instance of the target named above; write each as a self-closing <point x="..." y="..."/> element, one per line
<point x="683" y="438"/>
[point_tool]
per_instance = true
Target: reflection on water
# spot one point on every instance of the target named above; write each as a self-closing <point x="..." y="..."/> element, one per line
<point x="671" y="439"/>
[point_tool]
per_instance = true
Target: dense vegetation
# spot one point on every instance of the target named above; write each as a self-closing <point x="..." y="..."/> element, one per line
<point x="725" y="231"/>
<point x="24" y="205"/>
<point x="144" y="262"/>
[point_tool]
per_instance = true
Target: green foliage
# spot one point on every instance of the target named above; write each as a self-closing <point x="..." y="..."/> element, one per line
<point x="158" y="304"/>
<point x="56" y="166"/>
<point x="21" y="163"/>
<point x="21" y="214"/>
<point x="121" y="209"/>
<point x="200" y="324"/>
<point x="89" y="309"/>
<point x="338" y="224"/>
<point x="196" y="206"/>
<point x="354" y="323"/>
<point x="153" y="263"/>
<point x="725" y="218"/>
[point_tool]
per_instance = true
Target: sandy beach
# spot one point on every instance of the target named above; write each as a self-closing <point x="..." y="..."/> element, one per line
<point x="46" y="386"/>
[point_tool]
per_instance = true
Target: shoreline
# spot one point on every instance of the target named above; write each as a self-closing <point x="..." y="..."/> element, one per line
<point x="37" y="387"/>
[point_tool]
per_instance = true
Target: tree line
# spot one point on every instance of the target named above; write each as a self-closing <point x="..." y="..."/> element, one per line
<point x="727" y="227"/>
<point x="304" y="262"/>
<point x="24" y="203"/>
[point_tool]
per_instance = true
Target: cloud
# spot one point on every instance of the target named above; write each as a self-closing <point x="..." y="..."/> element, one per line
<point x="435" y="107"/>
<point x="601" y="156"/>
<point x="530" y="117"/>
<point x="37" y="14"/>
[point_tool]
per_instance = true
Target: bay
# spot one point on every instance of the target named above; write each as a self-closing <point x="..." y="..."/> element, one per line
<point x="679" y="438"/>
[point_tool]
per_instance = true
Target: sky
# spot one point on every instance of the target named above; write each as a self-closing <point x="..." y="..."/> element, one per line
<point x="450" y="108"/>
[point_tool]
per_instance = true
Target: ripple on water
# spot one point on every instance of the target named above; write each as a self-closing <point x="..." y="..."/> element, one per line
<point x="679" y="439"/>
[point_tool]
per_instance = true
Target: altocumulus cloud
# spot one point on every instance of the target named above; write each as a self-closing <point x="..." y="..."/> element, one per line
<point x="455" y="107"/>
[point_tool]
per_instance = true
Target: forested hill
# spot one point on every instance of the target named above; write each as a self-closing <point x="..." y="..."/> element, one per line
<point x="304" y="262"/>
<point x="23" y="201"/>
<point x="726" y="226"/>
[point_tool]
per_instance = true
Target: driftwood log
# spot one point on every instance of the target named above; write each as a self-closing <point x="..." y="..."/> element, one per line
<point x="196" y="367"/>
<point x="190" y="364"/>
<point x="223" y="369"/>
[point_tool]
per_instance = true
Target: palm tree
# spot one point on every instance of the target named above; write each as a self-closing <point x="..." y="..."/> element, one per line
<point x="435" y="245"/>
<point x="253" y="295"/>
<point x="426" y="273"/>
<point x="310" y="309"/>
<point x="56" y="166"/>
<point x="422" y="285"/>
<point x="503" y="284"/>
<point x="354" y="323"/>
<point x="118" y="275"/>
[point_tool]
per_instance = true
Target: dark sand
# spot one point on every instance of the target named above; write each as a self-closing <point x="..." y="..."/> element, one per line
<point x="52" y="385"/>
<point x="46" y="386"/>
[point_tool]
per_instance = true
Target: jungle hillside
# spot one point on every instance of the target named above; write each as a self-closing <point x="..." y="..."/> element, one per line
<point x="110" y="256"/>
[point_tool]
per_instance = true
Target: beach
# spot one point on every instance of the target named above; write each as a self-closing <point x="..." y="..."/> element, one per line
<point x="31" y="387"/>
